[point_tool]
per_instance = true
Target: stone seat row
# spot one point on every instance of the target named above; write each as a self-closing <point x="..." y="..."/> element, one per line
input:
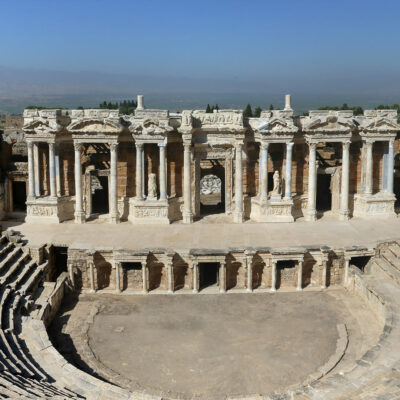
<point x="20" y="376"/>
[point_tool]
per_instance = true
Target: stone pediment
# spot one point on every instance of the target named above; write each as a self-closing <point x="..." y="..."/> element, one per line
<point x="41" y="125"/>
<point x="92" y="125"/>
<point x="379" y="125"/>
<point x="328" y="122"/>
<point x="150" y="127"/>
<point x="276" y="126"/>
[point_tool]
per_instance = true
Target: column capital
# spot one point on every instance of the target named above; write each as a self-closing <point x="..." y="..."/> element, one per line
<point x="238" y="145"/>
<point x="77" y="146"/>
<point x="391" y="142"/>
<point x="139" y="145"/>
<point x="289" y="145"/>
<point x="346" y="145"/>
<point x="312" y="145"/>
<point x="162" y="145"/>
<point x="29" y="144"/>
<point x="264" y="145"/>
<point x="113" y="146"/>
<point x="51" y="145"/>
<point x="187" y="145"/>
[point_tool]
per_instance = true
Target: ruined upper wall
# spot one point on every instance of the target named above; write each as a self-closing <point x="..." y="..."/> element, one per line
<point x="158" y="124"/>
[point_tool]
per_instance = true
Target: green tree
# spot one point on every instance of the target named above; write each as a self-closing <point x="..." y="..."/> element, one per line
<point x="208" y="109"/>
<point x="271" y="107"/>
<point x="257" y="112"/>
<point x="247" y="113"/>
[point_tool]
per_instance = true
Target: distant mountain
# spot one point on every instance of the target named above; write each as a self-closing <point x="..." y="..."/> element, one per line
<point x="22" y="87"/>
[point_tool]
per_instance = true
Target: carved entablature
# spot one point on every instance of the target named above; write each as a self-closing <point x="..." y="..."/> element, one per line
<point x="328" y="125"/>
<point x="378" y="124"/>
<point x="218" y="121"/>
<point x="274" y="126"/>
<point x="45" y="123"/>
<point x="92" y="122"/>
<point x="150" y="125"/>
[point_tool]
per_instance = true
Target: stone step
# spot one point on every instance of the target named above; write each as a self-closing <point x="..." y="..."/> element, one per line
<point x="391" y="258"/>
<point x="32" y="281"/>
<point x="394" y="247"/>
<point x="13" y="269"/>
<point x="25" y="274"/>
<point x="24" y="357"/>
<point x="6" y="249"/>
<point x="15" y="252"/>
<point x="387" y="269"/>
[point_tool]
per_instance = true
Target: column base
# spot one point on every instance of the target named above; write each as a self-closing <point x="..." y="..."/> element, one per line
<point x="238" y="217"/>
<point x="310" y="215"/>
<point x="195" y="291"/>
<point x="114" y="219"/>
<point x="273" y="289"/>
<point x="49" y="209"/>
<point x="344" y="215"/>
<point x="187" y="217"/>
<point x="148" y="211"/>
<point x="299" y="289"/>
<point x="273" y="210"/>
<point x="80" y="217"/>
<point x="379" y="205"/>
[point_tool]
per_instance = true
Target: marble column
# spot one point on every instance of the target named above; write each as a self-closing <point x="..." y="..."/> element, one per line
<point x="222" y="277"/>
<point x="288" y="172"/>
<point x="170" y="269"/>
<point x="36" y="168"/>
<point x="264" y="172"/>
<point x="144" y="277"/>
<point x="31" y="172"/>
<point x="324" y="272"/>
<point x="92" y="280"/>
<point x="390" y="167"/>
<point x="249" y="264"/>
<point x="114" y="214"/>
<point x="163" y="172"/>
<point x="117" y="277"/>
<point x="300" y="276"/>
<point x="52" y="170"/>
<point x="273" y="275"/>
<point x="238" y="214"/>
<point x="139" y="168"/>
<point x="71" y="274"/>
<point x="195" y="267"/>
<point x="344" y="190"/>
<point x="187" y="187"/>
<point x="369" y="167"/>
<point x="79" y="214"/>
<point x="58" y="176"/>
<point x="311" y="212"/>
<point x="346" y="270"/>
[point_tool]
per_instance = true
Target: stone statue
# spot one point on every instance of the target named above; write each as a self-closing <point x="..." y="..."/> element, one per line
<point x="152" y="187"/>
<point x="276" y="191"/>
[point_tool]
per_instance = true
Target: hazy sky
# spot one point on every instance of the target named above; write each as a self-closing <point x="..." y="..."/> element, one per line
<point x="202" y="38"/>
<point x="342" y="46"/>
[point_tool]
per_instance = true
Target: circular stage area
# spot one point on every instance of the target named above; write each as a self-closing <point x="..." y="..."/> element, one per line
<point x="213" y="346"/>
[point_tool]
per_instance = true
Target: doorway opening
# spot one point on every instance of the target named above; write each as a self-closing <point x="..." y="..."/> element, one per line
<point x="286" y="272"/>
<point x="324" y="193"/>
<point x="360" y="262"/>
<point x="212" y="187"/>
<point x="100" y="194"/>
<point x="19" y="195"/>
<point x="60" y="254"/>
<point x="208" y="274"/>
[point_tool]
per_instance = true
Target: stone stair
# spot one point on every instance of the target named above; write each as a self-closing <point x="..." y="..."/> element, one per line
<point x="387" y="261"/>
<point x="20" y="376"/>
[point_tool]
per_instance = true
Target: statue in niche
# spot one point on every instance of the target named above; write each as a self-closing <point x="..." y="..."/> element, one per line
<point x="152" y="187"/>
<point x="276" y="191"/>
